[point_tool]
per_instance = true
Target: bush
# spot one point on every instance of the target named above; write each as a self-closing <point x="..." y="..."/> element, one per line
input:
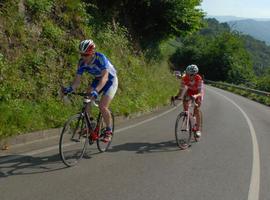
<point x="259" y="98"/>
<point x="37" y="8"/>
<point x="263" y="83"/>
<point x="20" y="116"/>
<point x="52" y="32"/>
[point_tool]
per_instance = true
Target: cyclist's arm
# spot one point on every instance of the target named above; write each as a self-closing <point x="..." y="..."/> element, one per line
<point x="200" y="90"/>
<point x="76" y="82"/>
<point x="182" y="91"/>
<point x="79" y="74"/>
<point x="180" y="95"/>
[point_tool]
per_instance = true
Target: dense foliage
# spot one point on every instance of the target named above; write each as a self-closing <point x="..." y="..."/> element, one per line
<point x="259" y="52"/>
<point x="150" y="21"/>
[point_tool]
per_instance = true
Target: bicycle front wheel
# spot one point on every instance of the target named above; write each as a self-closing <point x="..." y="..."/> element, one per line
<point x="183" y="131"/>
<point x="103" y="146"/>
<point x="73" y="140"/>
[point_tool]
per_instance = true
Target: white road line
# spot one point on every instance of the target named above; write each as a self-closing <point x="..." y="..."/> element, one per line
<point x="254" y="187"/>
<point x="145" y="121"/>
<point x="38" y="140"/>
<point x="31" y="153"/>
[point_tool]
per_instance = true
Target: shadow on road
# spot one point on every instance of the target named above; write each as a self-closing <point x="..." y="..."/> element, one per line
<point x="25" y="165"/>
<point x="145" y="147"/>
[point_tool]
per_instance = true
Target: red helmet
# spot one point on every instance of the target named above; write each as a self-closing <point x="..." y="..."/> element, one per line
<point x="87" y="47"/>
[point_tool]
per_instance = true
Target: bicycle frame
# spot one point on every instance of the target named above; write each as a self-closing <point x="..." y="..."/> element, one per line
<point x="190" y="113"/>
<point x="84" y="114"/>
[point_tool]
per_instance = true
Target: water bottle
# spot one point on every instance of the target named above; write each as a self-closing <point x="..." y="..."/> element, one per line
<point x="93" y="123"/>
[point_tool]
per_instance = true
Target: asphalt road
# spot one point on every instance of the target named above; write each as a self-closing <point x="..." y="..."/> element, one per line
<point x="232" y="161"/>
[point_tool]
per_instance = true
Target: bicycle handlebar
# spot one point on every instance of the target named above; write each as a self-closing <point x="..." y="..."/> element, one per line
<point x="173" y="98"/>
<point x="86" y="96"/>
<point x="83" y="94"/>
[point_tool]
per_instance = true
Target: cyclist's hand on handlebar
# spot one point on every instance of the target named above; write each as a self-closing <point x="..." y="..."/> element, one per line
<point x="195" y="96"/>
<point x="94" y="94"/>
<point x="178" y="98"/>
<point x="173" y="98"/>
<point x="64" y="91"/>
<point x="67" y="90"/>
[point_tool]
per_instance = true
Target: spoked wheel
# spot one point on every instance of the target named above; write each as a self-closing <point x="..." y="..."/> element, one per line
<point x="73" y="140"/>
<point x="183" y="131"/>
<point x="101" y="144"/>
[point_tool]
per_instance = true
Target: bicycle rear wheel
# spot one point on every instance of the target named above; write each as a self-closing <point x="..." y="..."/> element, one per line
<point x="103" y="146"/>
<point x="73" y="140"/>
<point x="183" y="131"/>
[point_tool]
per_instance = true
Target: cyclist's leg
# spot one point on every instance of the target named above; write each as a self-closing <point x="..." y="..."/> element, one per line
<point x="109" y="92"/>
<point x="104" y="109"/>
<point x="89" y="90"/>
<point x="197" y="113"/>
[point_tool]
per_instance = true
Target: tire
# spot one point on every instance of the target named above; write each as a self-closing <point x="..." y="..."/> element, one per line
<point x="73" y="140"/>
<point x="182" y="133"/>
<point x="101" y="145"/>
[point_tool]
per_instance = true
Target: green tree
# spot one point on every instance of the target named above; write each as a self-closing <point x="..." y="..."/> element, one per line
<point x="221" y="58"/>
<point x="263" y="83"/>
<point x="151" y="21"/>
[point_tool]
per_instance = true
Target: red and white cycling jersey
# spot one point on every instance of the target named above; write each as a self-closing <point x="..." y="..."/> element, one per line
<point x="195" y="86"/>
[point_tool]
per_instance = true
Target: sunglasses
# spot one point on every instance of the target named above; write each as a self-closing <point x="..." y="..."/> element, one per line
<point x="85" y="55"/>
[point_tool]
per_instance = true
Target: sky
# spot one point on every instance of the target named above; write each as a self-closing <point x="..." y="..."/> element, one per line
<point x="238" y="8"/>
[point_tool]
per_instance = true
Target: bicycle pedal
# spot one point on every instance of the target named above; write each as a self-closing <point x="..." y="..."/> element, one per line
<point x="91" y="142"/>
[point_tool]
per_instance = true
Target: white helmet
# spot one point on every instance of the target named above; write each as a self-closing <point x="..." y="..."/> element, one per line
<point x="192" y="69"/>
<point x="87" y="47"/>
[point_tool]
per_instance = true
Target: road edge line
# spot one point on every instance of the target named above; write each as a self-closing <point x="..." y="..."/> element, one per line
<point x="254" y="187"/>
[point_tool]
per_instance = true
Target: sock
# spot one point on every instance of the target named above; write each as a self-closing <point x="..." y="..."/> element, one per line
<point x="108" y="129"/>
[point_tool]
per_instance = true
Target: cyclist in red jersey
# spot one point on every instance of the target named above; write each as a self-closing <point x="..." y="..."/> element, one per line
<point x="192" y="86"/>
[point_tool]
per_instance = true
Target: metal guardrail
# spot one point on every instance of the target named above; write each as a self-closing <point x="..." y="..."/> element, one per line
<point x="259" y="92"/>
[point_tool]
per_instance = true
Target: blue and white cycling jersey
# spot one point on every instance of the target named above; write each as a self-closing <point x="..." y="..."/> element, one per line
<point x="99" y="63"/>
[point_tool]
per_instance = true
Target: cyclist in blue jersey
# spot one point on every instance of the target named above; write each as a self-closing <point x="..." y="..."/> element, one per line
<point x="105" y="80"/>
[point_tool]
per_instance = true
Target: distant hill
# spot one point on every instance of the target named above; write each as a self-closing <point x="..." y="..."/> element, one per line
<point x="258" y="29"/>
<point x="234" y="18"/>
<point x="226" y="18"/>
<point x="259" y="51"/>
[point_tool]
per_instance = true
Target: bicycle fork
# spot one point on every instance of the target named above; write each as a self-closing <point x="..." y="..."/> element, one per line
<point x="186" y="123"/>
<point x="190" y="119"/>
